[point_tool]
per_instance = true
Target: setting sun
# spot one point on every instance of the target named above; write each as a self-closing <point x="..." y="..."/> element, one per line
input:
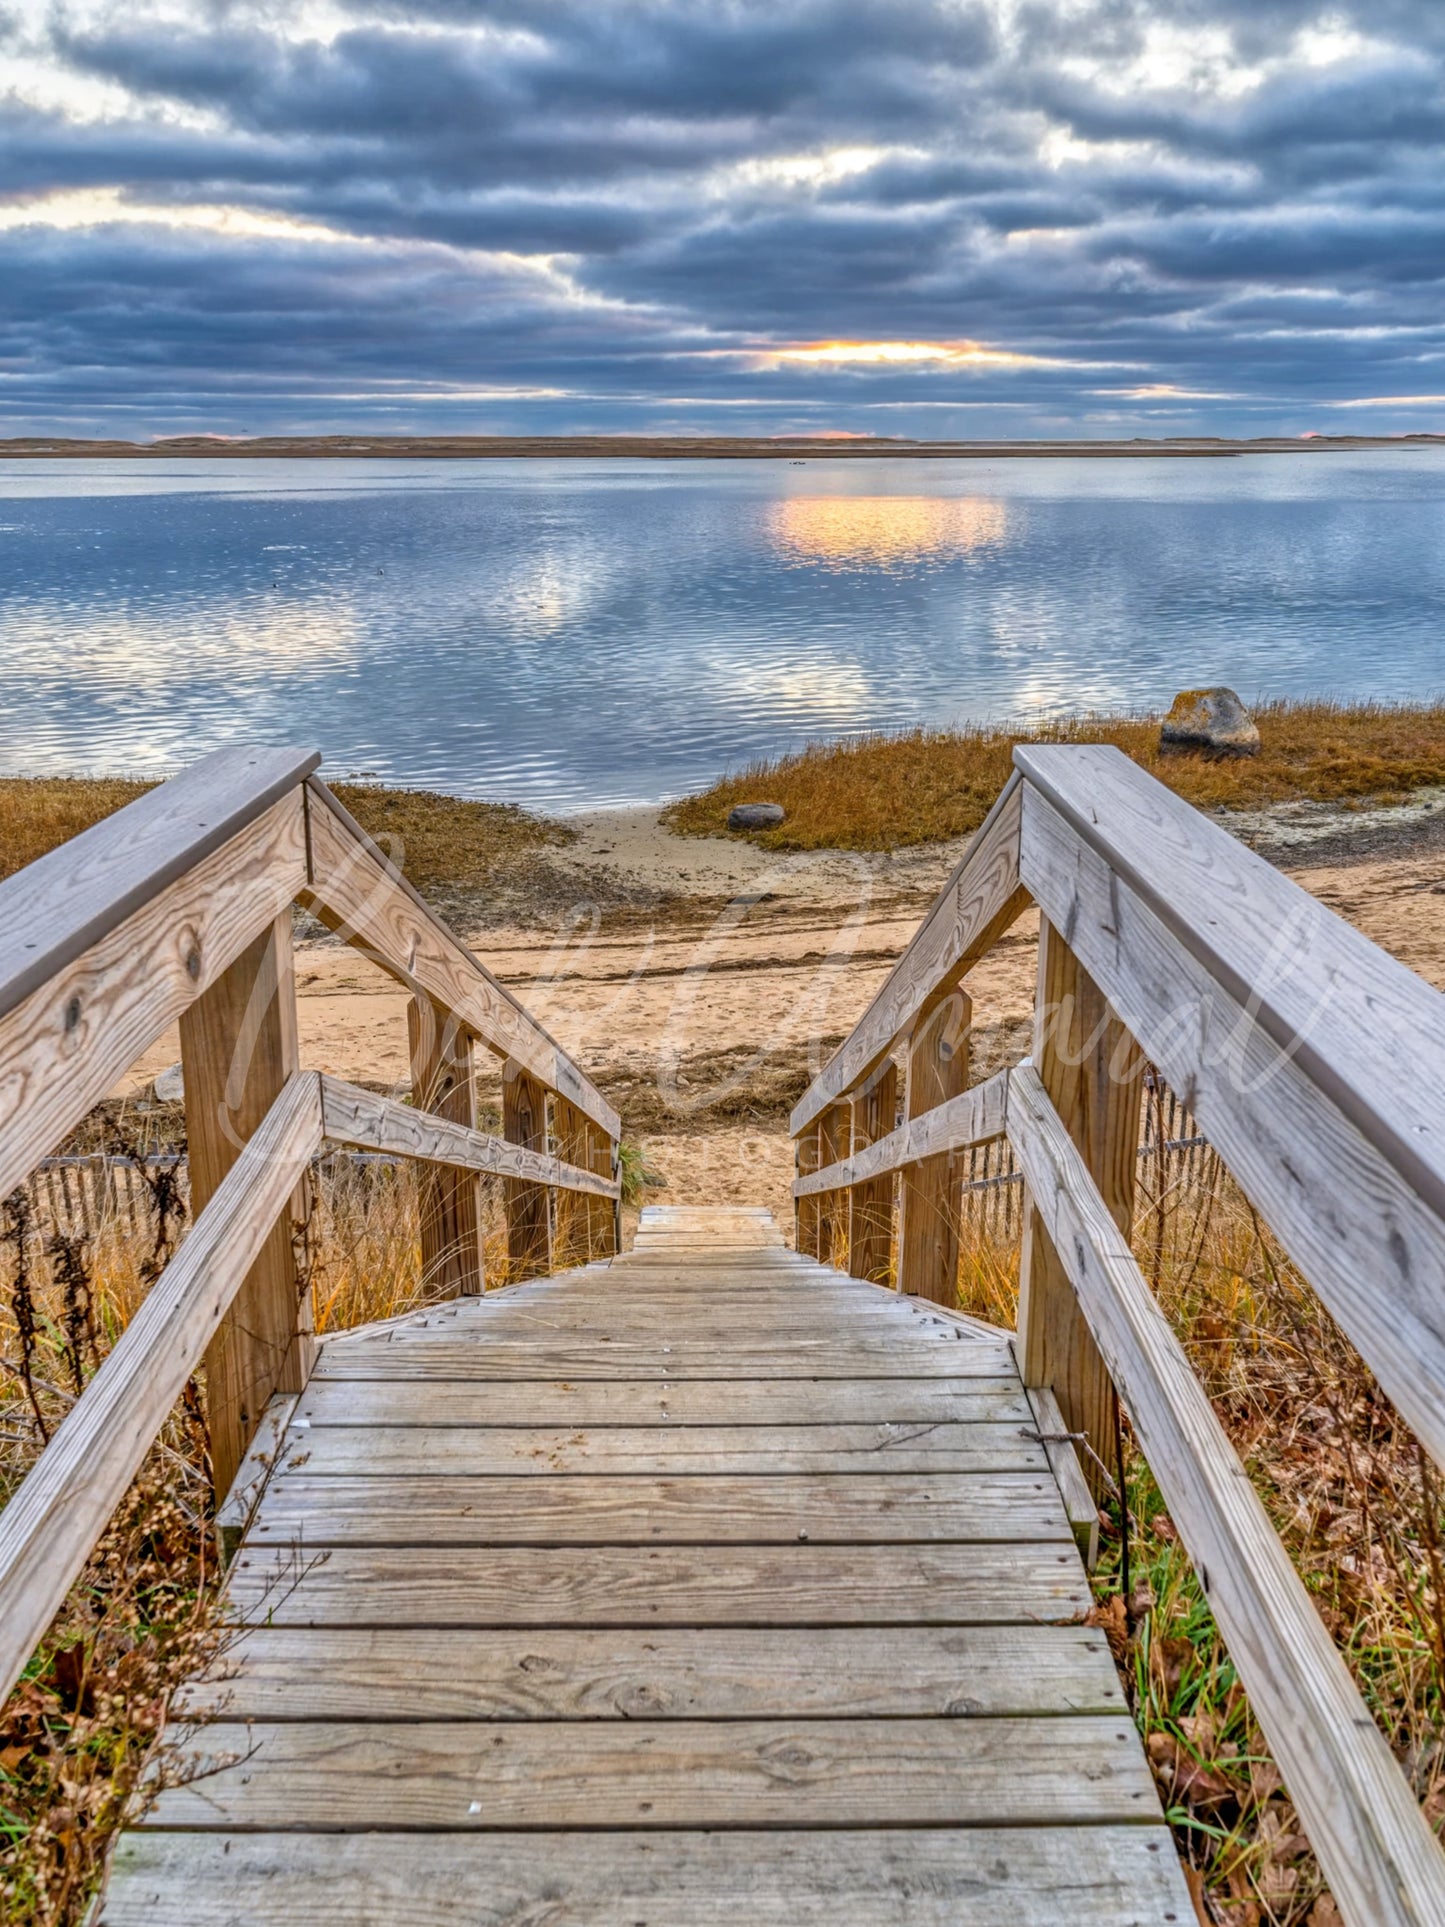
<point x="962" y="354"/>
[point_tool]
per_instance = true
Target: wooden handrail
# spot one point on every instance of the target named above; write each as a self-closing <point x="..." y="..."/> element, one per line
<point x="1375" y="1845"/>
<point x="126" y="972"/>
<point x="1315" y="1065"/>
<point x="375" y="1123"/>
<point x="361" y="895"/>
<point x="61" y="905"/>
<point x="1319" y="1155"/>
<point x="49" y="1526"/>
<point x="975" y="907"/>
<point x="974" y="1118"/>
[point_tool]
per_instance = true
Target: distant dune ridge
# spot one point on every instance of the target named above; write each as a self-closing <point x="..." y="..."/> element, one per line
<point x="682" y="447"/>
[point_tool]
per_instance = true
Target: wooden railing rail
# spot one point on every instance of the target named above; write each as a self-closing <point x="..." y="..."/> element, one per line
<point x="179" y="909"/>
<point x="1315" y="1066"/>
<point x="50" y="1525"/>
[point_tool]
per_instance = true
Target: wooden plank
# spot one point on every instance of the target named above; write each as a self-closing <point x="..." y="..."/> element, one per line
<point x="717" y="1355"/>
<point x="449" y="1202"/>
<point x="65" y="1044"/>
<point x="800" y="1585"/>
<point x="1118" y="1876"/>
<point x="53" y="1520"/>
<point x="315" y="1507"/>
<point x="928" y="1201"/>
<point x="373" y="1122"/>
<point x="793" y="1401"/>
<point x="1377" y="1851"/>
<point x="812" y="1672"/>
<point x="805" y="1203"/>
<point x="973" y="1118"/>
<point x="870" y="1203"/>
<point x="668" y="1773"/>
<point x="764" y="1450"/>
<point x="1092" y="1071"/>
<point x="835" y="1129"/>
<point x="357" y="891"/>
<point x="1358" y="1230"/>
<point x="63" y="904"/>
<point x="528" y="1208"/>
<point x="1063" y="1458"/>
<point x="980" y="901"/>
<point x="238" y="1049"/>
<point x="234" y="1513"/>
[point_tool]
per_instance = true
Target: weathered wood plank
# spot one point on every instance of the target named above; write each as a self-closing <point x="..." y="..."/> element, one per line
<point x="662" y="1449"/>
<point x="50" y="1525"/>
<point x="811" y="1672"/>
<point x="527" y="1206"/>
<point x="772" y="1401"/>
<point x="1119" y="1876"/>
<point x="929" y="1201"/>
<point x="376" y="1123"/>
<point x="61" y="906"/>
<point x="238" y="1048"/>
<point x="667" y="1773"/>
<point x="1059" y="1450"/>
<point x="711" y="1355"/>
<point x="449" y="1202"/>
<point x="1092" y="1071"/>
<point x="937" y="1585"/>
<point x="973" y="1118"/>
<point x="1358" y="1229"/>
<point x="1378" y="1853"/>
<point x="235" y="1511"/>
<point x="977" y="905"/>
<point x="64" y="1044"/>
<point x="870" y="1202"/>
<point x="1367" y="1030"/>
<point x="312" y="1507"/>
<point x="357" y="891"/>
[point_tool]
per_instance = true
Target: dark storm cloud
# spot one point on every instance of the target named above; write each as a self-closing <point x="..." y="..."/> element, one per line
<point x="426" y="214"/>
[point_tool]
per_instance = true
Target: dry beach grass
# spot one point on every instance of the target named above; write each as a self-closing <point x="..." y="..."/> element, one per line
<point x="925" y="786"/>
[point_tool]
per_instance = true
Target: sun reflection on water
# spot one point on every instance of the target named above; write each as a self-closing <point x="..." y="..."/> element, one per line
<point x="885" y="531"/>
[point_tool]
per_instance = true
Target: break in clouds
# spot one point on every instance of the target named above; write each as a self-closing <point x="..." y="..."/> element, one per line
<point x="929" y="217"/>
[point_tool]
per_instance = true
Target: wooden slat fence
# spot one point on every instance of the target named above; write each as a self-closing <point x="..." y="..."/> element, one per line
<point x="1197" y="1013"/>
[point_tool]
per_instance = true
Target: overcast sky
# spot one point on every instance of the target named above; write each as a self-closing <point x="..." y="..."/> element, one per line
<point x="917" y="217"/>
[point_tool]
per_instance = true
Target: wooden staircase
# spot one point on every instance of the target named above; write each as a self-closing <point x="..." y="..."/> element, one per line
<point x="705" y="1585"/>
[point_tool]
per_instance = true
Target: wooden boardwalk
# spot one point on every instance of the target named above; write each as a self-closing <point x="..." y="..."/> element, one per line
<point x="705" y="1585"/>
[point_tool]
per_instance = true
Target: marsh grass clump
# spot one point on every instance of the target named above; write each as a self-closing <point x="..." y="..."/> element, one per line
<point x="887" y="792"/>
<point x="1348" y="1488"/>
<point x="445" y="843"/>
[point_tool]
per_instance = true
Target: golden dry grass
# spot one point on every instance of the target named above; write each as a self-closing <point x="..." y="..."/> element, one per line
<point x="924" y="786"/>
<point x="442" y="842"/>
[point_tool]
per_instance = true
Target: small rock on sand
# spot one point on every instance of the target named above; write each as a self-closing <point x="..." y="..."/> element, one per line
<point x="1212" y="720"/>
<point x="169" y="1085"/>
<point x="755" y="816"/>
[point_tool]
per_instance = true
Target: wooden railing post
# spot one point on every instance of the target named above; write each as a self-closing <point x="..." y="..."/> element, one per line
<point x="1093" y="1072"/>
<point x="874" y="1113"/>
<point x="452" y="1240"/>
<point x="834" y="1141"/>
<point x="572" y="1239"/>
<point x="805" y="1210"/>
<point x="529" y="1217"/>
<point x="238" y="1047"/>
<point x="928" y="1208"/>
<point x="604" y="1217"/>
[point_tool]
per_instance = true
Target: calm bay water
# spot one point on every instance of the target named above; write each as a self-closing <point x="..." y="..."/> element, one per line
<point x="574" y="634"/>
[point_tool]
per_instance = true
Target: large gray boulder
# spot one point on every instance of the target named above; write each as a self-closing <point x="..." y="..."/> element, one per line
<point x="755" y="816"/>
<point x="1212" y="721"/>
